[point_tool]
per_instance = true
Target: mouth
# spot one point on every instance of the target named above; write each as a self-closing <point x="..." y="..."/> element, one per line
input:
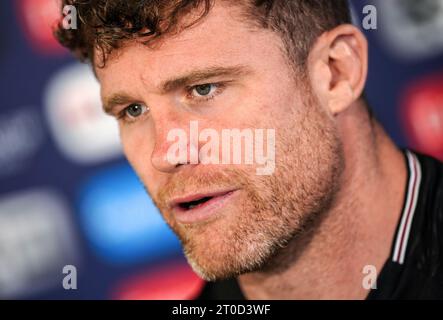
<point x="199" y="207"/>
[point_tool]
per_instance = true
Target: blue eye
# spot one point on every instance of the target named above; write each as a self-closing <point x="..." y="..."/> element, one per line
<point x="204" y="92"/>
<point x="135" y="110"/>
<point x="204" y="89"/>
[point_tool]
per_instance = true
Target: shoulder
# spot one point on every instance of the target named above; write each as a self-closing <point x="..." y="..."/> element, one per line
<point x="431" y="185"/>
<point x="428" y="227"/>
<point x="419" y="268"/>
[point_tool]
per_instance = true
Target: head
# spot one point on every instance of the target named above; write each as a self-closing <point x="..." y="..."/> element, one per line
<point x="289" y="66"/>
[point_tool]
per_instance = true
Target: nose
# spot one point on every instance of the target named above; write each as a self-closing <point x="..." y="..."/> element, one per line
<point x="173" y="147"/>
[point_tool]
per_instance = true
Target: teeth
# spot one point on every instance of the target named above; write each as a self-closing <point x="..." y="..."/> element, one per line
<point x="192" y="206"/>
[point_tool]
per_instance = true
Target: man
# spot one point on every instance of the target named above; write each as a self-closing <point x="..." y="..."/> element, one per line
<point x="344" y="214"/>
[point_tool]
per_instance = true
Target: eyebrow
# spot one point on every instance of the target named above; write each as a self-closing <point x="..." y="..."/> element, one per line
<point x="200" y="75"/>
<point x="116" y="100"/>
<point x="169" y="85"/>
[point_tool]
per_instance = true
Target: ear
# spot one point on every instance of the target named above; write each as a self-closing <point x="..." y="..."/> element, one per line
<point x="337" y="67"/>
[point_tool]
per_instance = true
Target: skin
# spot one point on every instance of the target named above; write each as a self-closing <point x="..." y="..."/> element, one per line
<point x="332" y="204"/>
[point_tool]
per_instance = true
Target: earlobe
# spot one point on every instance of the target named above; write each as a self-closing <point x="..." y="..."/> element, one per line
<point x="343" y="96"/>
<point x="338" y="67"/>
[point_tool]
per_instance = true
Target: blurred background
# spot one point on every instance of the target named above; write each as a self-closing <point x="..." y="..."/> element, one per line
<point x="68" y="196"/>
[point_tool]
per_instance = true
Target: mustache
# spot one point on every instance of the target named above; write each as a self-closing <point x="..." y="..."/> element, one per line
<point x="182" y="184"/>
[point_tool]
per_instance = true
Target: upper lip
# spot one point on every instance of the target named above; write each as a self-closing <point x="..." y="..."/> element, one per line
<point x="197" y="196"/>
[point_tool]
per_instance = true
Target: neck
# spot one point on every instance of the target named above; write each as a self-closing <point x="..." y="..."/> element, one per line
<point x="327" y="261"/>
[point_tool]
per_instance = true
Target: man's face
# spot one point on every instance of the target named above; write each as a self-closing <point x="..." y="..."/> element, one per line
<point x="224" y="74"/>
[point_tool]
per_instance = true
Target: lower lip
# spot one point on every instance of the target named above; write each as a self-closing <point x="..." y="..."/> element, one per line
<point x="203" y="211"/>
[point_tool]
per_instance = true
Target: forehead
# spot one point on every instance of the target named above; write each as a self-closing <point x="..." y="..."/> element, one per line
<point x="219" y="39"/>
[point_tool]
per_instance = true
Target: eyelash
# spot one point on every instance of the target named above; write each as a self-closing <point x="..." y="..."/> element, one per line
<point x="123" y="116"/>
<point x="219" y="88"/>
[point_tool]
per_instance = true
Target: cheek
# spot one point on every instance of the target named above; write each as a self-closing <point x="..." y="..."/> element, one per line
<point x="272" y="112"/>
<point x="129" y="142"/>
<point x="135" y="138"/>
<point x="272" y="105"/>
<point x="137" y="148"/>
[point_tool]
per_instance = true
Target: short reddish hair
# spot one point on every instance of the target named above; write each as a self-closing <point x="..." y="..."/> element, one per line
<point x="106" y="24"/>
